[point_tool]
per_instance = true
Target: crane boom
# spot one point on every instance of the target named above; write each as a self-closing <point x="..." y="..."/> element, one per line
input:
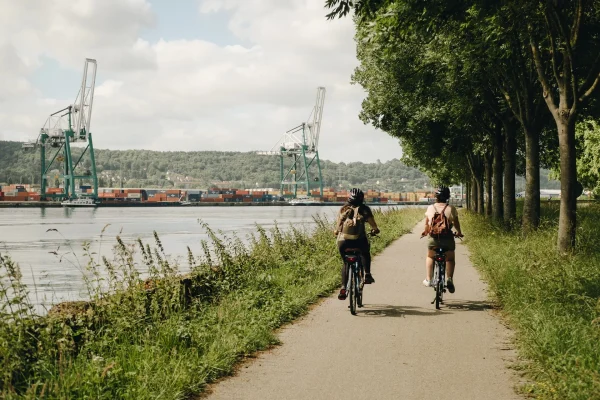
<point x="317" y="115"/>
<point x="84" y="101"/>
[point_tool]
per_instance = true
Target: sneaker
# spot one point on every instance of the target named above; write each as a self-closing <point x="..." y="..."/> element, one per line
<point x="369" y="279"/>
<point x="426" y="283"/>
<point x="342" y="295"/>
<point x="450" y="285"/>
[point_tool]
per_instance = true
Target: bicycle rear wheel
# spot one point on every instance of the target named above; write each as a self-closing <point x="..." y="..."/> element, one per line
<point x="438" y="294"/>
<point x="353" y="292"/>
<point x="439" y="286"/>
<point x="359" y="290"/>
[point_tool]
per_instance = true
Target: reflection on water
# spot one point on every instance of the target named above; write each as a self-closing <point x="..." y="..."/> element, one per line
<point x="48" y="243"/>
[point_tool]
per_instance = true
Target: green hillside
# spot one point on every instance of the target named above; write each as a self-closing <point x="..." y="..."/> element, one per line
<point x="201" y="169"/>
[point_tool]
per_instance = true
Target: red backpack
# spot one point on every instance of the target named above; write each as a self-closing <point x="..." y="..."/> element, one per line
<point x="439" y="225"/>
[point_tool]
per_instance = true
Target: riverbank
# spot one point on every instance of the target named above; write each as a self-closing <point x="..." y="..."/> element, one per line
<point x="167" y="336"/>
<point x="552" y="301"/>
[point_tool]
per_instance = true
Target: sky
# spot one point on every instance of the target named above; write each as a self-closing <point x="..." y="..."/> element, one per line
<point x="226" y="75"/>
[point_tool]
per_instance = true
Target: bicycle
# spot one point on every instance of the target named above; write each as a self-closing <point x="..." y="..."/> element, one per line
<point x="439" y="274"/>
<point x="439" y="277"/>
<point x="356" y="277"/>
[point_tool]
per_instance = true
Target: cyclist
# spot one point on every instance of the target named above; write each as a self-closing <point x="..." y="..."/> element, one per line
<point x="445" y="242"/>
<point x="355" y="202"/>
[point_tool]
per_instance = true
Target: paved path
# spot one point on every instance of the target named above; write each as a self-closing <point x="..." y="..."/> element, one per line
<point x="398" y="347"/>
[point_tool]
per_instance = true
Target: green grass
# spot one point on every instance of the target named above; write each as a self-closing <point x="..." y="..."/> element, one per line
<point x="168" y="336"/>
<point x="552" y="301"/>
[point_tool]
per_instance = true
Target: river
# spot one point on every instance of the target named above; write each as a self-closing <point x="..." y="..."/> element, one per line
<point x="48" y="243"/>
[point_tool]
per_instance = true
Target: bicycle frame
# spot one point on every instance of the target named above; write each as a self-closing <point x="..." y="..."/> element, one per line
<point x="439" y="277"/>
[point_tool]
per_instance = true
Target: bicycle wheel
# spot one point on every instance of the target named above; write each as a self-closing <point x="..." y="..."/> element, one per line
<point x="359" y="290"/>
<point x="352" y="294"/>
<point x="438" y="286"/>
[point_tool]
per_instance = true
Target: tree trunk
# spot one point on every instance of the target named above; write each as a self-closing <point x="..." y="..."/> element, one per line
<point x="531" y="207"/>
<point x="480" y="192"/>
<point x="497" y="201"/>
<point x="567" y="222"/>
<point x="510" y="169"/>
<point x="476" y="166"/>
<point x="468" y="193"/>
<point x="474" y="194"/>
<point x="488" y="185"/>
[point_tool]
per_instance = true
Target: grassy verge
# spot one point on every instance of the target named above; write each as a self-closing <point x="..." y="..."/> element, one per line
<point x="553" y="302"/>
<point x="167" y="336"/>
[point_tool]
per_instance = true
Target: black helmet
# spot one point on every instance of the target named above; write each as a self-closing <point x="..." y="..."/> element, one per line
<point x="356" y="196"/>
<point x="442" y="193"/>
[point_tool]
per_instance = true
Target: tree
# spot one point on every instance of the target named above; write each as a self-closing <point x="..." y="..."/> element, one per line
<point x="563" y="36"/>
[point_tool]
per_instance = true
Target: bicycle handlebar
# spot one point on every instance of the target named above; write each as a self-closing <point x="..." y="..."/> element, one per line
<point x="456" y="235"/>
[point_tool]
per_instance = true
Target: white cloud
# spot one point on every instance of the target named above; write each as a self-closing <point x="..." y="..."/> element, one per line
<point x="190" y="94"/>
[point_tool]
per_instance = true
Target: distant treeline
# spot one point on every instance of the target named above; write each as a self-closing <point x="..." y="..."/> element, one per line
<point x="202" y="169"/>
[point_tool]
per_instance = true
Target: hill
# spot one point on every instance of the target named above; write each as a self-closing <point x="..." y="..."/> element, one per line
<point x="201" y="169"/>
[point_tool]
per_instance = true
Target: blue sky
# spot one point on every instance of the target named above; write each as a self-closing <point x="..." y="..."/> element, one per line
<point x="186" y="22"/>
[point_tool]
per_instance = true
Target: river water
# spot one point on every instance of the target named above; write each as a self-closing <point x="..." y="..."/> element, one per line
<point x="30" y="235"/>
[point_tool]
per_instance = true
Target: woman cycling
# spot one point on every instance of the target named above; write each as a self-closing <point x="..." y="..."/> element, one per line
<point x="444" y="241"/>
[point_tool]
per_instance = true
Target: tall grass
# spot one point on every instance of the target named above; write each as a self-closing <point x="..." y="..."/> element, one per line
<point x="167" y="335"/>
<point x="552" y="301"/>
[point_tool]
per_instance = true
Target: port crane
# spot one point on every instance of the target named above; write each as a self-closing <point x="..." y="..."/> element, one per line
<point x="298" y="152"/>
<point x="62" y="129"/>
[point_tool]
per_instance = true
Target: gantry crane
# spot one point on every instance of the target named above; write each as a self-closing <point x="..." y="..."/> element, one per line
<point x="298" y="152"/>
<point x="62" y="129"/>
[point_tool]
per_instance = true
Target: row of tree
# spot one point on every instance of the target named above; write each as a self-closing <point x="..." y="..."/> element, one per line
<point x="477" y="89"/>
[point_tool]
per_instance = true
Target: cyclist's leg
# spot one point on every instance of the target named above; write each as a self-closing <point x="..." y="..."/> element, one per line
<point x="431" y="245"/>
<point x="429" y="264"/>
<point x="342" y="246"/>
<point x="365" y="251"/>
<point x="450" y="246"/>
<point x="450" y="263"/>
